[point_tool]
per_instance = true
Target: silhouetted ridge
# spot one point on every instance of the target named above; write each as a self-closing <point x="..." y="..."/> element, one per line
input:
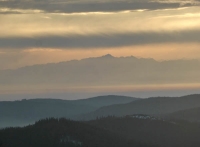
<point x="151" y="106"/>
<point x="104" y="71"/>
<point x="107" y="56"/>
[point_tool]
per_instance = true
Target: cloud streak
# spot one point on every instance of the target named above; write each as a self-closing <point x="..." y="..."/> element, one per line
<point x="90" y="30"/>
<point x="100" y="41"/>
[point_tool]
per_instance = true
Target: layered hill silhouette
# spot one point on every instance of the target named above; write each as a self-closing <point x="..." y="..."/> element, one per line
<point x="158" y="106"/>
<point x="19" y="113"/>
<point x="105" y="70"/>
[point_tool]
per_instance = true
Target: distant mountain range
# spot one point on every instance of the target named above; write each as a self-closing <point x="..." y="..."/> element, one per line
<point x="158" y="106"/>
<point x="103" y="71"/>
<point x="19" y="113"/>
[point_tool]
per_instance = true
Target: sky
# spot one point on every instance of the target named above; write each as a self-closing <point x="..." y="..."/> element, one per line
<point x="45" y="31"/>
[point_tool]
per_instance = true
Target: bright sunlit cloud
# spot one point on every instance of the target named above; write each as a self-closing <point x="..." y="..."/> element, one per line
<point x="33" y="25"/>
<point x="26" y="11"/>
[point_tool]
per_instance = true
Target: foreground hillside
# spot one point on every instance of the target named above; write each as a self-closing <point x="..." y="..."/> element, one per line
<point x="19" y="113"/>
<point x="129" y="131"/>
<point x="158" y="106"/>
<point x="63" y="133"/>
<point x="153" y="131"/>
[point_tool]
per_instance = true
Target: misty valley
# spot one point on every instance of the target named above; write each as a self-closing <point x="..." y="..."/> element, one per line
<point x="104" y="121"/>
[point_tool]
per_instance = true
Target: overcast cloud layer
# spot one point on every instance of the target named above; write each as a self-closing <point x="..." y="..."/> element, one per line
<point x="95" y="25"/>
<point x="100" y="29"/>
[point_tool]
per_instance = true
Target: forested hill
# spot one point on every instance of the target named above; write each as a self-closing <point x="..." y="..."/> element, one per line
<point x="188" y="115"/>
<point x="149" y="130"/>
<point x="63" y="133"/>
<point x="129" y="131"/>
<point x="151" y="106"/>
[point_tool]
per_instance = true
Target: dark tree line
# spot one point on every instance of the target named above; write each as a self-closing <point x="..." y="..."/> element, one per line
<point x="103" y="132"/>
<point x="174" y="133"/>
<point x="53" y="132"/>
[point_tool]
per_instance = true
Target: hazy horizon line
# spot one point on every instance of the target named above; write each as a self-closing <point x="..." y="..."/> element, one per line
<point x="98" y="96"/>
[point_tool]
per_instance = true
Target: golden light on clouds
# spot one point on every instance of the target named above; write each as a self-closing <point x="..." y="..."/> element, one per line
<point x="4" y="10"/>
<point x="30" y="25"/>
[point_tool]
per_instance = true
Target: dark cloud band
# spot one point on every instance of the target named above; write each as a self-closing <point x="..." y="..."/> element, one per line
<point x="66" y="7"/>
<point x="100" y="41"/>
